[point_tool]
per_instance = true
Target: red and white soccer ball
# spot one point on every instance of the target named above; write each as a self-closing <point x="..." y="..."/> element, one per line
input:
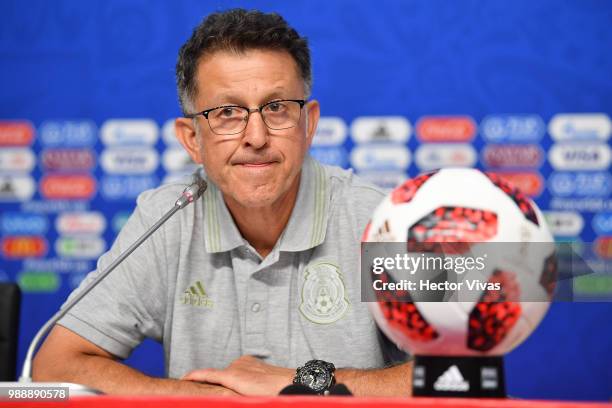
<point x="467" y="205"/>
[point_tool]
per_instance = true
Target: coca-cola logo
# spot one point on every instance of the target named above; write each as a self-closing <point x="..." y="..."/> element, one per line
<point x="446" y="129"/>
<point x="68" y="187"/>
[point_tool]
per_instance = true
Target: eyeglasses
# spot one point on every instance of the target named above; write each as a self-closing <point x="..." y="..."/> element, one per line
<point x="232" y="119"/>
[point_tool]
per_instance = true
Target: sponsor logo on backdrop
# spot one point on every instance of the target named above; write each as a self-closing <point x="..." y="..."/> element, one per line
<point x="579" y="156"/>
<point x="68" y="133"/>
<point x="126" y="187"/>
<point x="580" y="184"/>
<point x="331" y="131"/>
<point x="445" y="129"/>
<point x="529" y="183"/>
<point x="80" y="247"/>
<point x="176" y="159"/>
<point x="512" y="156"/>
<point x="564" y="223"/>
<point x="16" y="187"/>
<point x="169" y="134"/>
<point x="16" y="133"/>
<point x="122" y="132"/>
<point x="19" y="223"/>
<point x="92" y="222"/>
<point x="39" y="281"/>
<point x="437" y="156"/>
<point x="380" y="157"/>
<point x="602" y="223"/>
<point x="580" y="127"/>
<point x="68" y="187"/>
<point x="16" y="159"/>
<point x="129" y="160"/>
<point x="603" y="247"/>
<point x="23" y="246"/>
<point x="371" y="129"/>
<point x="119" y="220"/>
<point x="384" y="179"/>
<point x="512" y="128"/>
<point x="334" y="156"/>
<point x="68" y="159"/>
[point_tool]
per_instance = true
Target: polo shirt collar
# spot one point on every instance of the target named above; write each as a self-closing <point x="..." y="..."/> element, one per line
<point x="307" y="223"/>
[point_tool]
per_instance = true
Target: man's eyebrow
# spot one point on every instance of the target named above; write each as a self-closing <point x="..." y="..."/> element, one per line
<point x="228" y="98"/>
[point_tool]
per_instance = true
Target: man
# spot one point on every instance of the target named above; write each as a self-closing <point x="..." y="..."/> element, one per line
<point x="261" y="275"/>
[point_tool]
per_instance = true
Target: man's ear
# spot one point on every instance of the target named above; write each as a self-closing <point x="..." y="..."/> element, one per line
<point x="313" y="111"/>
<point x="186" y="135"/>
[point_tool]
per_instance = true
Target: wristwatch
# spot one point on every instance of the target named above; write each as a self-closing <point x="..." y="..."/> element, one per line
<point x="318" y="375"/>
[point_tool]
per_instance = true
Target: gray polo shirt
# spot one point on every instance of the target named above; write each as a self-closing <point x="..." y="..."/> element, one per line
<point x="199" y="288"/>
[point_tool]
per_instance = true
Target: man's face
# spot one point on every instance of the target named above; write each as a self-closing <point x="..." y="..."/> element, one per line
<point x="259" y="166"/>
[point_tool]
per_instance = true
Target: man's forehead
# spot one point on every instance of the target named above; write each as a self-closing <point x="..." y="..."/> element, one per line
<point x="236" y="74"/>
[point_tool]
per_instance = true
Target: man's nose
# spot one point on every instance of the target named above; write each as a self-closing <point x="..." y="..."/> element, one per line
<point x="256" y="132"/>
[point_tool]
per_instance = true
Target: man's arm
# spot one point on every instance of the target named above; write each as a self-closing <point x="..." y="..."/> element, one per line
<point x="393" y="381"/>
<point x="65" y="356"/>
<point x="250" y="376"/>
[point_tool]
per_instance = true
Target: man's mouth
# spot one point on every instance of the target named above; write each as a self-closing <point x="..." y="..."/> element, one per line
<point x="256" y="164"/>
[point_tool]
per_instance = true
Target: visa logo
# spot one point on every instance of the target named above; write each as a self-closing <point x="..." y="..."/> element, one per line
<point x="380" y="157"/>
<point x="17" y="223"/>
<point x="580" y="127"/>
<point x="122" y="132"/>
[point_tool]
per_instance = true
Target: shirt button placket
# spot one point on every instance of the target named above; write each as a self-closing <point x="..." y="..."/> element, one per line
<point x="255" y="319"/>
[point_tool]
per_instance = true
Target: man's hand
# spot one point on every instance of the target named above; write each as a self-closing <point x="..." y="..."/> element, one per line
<point x="246" y="375"/>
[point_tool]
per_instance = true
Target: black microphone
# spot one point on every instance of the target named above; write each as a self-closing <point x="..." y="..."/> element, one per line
<point x="192" y="192"/>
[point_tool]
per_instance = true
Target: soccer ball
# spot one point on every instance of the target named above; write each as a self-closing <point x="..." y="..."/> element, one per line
<point x="450" y="213"/>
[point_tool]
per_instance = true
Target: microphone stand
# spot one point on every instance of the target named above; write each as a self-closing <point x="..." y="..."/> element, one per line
<point x="191" y="193"/>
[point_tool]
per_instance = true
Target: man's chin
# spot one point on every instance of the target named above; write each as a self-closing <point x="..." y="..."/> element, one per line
<point x="255" y="199"/>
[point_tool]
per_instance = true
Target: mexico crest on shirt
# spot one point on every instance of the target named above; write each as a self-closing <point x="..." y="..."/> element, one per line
<point x="323" y="293"/>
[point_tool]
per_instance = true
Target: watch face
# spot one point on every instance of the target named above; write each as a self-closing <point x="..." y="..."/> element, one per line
<point x="315" y="378"/>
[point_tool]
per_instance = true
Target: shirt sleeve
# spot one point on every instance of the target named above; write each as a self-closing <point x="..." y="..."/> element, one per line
<point x="130" y="303"/>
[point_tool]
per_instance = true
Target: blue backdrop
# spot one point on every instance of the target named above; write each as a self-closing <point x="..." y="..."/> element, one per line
<point x="522" y="88"/>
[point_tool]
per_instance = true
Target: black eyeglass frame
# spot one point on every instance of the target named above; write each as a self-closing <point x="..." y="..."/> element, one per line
<point x="259" y="109"/>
